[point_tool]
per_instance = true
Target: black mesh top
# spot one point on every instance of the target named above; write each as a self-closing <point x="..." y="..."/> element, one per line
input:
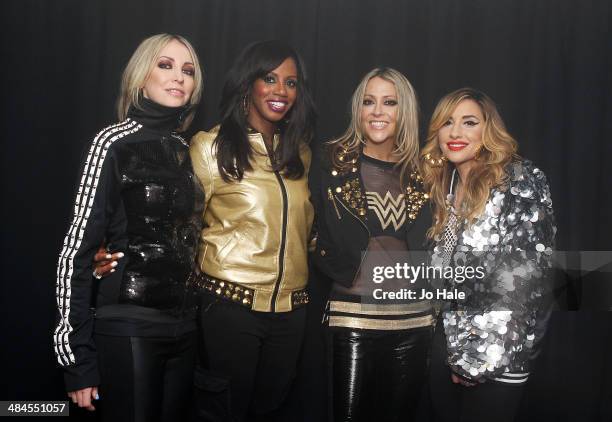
<point x="386" y="221"/>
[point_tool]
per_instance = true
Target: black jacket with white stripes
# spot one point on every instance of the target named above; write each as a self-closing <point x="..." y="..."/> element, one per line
<point x="137" y="193"/>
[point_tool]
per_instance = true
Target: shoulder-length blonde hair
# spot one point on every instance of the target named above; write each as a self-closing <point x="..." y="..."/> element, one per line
<point x="349" y="144"/>
<point x="139" y="68"/>
<point x="498" y="149"/>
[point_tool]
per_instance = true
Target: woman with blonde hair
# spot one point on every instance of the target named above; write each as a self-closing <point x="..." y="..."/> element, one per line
<point x="494" y="232"/>
<point x="370" y="214"/>
<point x="130" y="341"/>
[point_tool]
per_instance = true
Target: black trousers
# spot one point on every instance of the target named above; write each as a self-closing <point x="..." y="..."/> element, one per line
<point x="146" y="379"/>
<point x="249" y="361"/>
<point x="377" y="375"/>
<point x="489" y="401"/>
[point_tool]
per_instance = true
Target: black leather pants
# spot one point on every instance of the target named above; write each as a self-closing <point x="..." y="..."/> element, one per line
<point x="146" y="379"/>
<point x="377" y="375"/>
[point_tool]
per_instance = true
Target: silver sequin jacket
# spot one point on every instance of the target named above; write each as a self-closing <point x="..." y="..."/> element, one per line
<point x="491" y="332"/>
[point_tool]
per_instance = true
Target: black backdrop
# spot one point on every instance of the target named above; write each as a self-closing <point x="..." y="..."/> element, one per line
<point x="547" y="63"/>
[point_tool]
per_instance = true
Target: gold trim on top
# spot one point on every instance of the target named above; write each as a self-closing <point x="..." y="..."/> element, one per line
<point x="379" y="308"/>
<point x="380" y="324"/>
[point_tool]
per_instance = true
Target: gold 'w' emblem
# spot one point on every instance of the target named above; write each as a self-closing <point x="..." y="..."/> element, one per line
<point x="388" y="209"/>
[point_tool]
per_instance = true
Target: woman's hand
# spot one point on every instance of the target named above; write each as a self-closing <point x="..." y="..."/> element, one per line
<point x="458" y="380"/>
<point x="105" y="262"/>
<point x="84" y="396"/>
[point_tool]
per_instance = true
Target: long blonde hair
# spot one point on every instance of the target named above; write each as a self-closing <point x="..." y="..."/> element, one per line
<point x="139" y="68"/>
<point x="498" y="149"/>
<point x="349" y="144"/>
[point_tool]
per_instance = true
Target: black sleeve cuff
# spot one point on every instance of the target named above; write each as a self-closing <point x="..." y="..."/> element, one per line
<point x="76" y="380"/>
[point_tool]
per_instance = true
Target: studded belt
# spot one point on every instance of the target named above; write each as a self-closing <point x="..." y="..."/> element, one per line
<point x="238" y="293"/>
<point x="299" y="298"/>
<point x="224" y="289"/>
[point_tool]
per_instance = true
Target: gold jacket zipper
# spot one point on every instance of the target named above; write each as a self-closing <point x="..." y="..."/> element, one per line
<point x="330" y="195"/>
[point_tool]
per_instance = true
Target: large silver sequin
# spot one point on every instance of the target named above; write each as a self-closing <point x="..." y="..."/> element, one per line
<point x="492" y="330"/>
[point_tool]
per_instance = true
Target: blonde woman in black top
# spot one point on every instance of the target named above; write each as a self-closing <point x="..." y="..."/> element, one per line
<point x="135" y="351"/>
<point x="371" y="212"/>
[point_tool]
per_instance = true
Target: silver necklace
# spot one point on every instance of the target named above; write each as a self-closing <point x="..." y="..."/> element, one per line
<point x="449" y="235"/>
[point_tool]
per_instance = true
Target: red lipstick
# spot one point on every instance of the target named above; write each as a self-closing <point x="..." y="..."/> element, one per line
<point x="456" y="145"/>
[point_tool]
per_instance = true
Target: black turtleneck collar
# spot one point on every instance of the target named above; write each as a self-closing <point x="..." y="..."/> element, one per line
<point x="156" y="116"/>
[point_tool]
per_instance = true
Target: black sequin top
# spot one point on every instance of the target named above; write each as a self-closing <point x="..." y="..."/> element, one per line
<point x="137" y="193"/>
<point x="163" y="205"/>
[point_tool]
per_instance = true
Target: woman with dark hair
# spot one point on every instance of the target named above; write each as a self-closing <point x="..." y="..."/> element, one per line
<point x="492" y="214"/>
<point x="252" y="261"/>
<point x="131" y="341"/>
<point x="372" y="214"/>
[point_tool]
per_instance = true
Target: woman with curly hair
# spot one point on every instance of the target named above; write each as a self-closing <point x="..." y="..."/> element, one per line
<point x="494" y="232"/>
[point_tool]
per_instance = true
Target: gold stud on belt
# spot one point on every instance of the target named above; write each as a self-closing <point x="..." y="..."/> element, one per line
<point x="226" y="290"/>
<point x="299" y="298"/>
<point x="239" y="294"/>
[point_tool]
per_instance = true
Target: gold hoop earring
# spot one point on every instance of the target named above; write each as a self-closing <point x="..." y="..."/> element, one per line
<point x="434" y="162"/>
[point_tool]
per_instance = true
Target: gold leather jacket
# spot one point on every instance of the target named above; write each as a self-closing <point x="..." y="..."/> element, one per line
<point x="255" y="231"/>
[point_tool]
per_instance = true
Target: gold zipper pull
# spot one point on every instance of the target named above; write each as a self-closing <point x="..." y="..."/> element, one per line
<point x="330" y="194"/>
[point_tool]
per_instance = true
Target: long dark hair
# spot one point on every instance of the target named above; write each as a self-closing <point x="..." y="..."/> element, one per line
<point x="234" y="150"/>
